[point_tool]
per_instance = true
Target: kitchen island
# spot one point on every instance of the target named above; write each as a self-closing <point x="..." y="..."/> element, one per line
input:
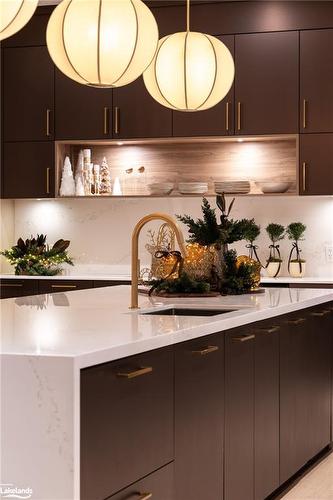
<point x="66" y="386"/>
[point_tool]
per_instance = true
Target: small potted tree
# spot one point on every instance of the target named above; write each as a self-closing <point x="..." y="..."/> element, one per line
<point x="296" y="266"/>
<point x="274" y="261"/>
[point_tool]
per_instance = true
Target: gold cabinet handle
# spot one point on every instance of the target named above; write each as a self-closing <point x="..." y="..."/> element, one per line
<point x="145" y="496"/>
<point x="116" y="119"/>
<point x="13" y="285"/>
<point x="297" y="321"/>
<point x="48" y="116"/>
<point x="106" y="121"/>
<point x="63" y="286"/>
<point x="227" y="106"/>
<point x="305" y="102"/>
<point x="244" y="338"/>
<point x="48" y="180"/>
<point x="206" y="350"/>
<point x="239" y="116"/>
<point x="320" y="314"/>
<point x="135" y="373"/>
<point x="273" y="329"/>
<point x="304" y="165"/>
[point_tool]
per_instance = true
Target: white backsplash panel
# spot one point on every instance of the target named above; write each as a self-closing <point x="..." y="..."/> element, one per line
<point x="100" y="229"/>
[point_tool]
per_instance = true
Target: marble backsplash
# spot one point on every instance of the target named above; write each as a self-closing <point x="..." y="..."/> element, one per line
<point x="100" y="229"/>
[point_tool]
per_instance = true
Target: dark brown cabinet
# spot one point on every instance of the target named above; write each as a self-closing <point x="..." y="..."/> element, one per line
<point x="63" y="285"/>
<point x="316" y="164"/>
<point x="266" y="83"/>
<point x="28" y="170"/>
<point x="82" y="112"/>
<point x="239" y="414"/>
<point x="28" y="94"/>
<point x="137" y="115"/>
<point x="316" y="76"/>
<point x="305" y="389"/>
<point x="218" y="120"/>
<point x="199" y="401"/>
<point x="127" y="422"/>
<point x="17" y="287"/>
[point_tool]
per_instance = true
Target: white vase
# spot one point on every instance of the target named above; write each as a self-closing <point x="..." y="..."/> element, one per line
<point x="273" y="269"/>
<point x="295" y="270"/>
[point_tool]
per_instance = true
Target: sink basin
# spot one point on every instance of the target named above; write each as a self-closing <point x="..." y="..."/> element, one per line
<point x="181" y="311"/>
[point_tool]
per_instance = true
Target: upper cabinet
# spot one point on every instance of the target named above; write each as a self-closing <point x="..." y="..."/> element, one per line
<point x="267" y="83"/>
<point x="28" y="94"/>
<point x="316" y="169"/>
<point x="137" y="114"/>
<point x="82" y="112"/>
<point x="316" y="89"/>
<point x="218" y="120"/>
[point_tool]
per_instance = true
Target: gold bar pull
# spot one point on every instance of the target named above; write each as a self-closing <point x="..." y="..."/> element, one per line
<point x="116" y="119"/>
<point x="304" y="165"/>
<point x="297" y="321"/>
<point x="145" y="496"/>
<point x="239" y="116"/>
<point x="48" y="115"/>
<point x="106" y="121"/>
<point x="206" y="350"/>
<point x="244" y="338"/>
<point x="16" y="285"/>
<point x="135" y="373"/>
<point x="48" y="180"/>
<point x="320" y="313"/>
<point x="273" y="329"/>
<point x="63" y="286"/>
<point x="227" y="116"/>
<point x="304" y="112"/>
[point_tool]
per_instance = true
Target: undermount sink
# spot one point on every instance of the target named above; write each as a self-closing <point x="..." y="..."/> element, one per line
<point x="182" y="311"/>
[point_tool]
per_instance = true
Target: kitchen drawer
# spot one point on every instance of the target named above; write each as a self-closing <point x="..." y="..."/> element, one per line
<point x="127" y="422"/>
<point x="17" y="288"/>
<point x="103" y="283"/>
<point x="53" y="286"/>
<point x="157" y="486"/>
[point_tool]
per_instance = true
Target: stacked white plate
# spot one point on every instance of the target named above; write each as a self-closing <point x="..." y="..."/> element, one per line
<point x="232" y="187"/>
<point x="160" y="188"/>
<point x="193" y="187"/>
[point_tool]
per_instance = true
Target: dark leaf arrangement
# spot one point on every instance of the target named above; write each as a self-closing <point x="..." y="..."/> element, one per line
<point x="35" y="257"/>
<point x="183" y="284"/>
<point x="237" y="279"/>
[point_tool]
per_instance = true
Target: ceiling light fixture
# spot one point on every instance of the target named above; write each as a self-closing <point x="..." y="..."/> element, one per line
<point x="191" y="71"/>
<point x="102" y="43"/>
<point x="14" y="15"/>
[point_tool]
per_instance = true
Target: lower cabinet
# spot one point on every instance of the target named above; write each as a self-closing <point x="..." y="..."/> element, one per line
<point x="199" y="402"/>
<point x="53" y="286"/>
<point x="17" y="288"/>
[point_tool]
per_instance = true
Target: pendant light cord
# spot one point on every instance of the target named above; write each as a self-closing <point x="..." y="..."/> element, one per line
<point x="187" y="15"/>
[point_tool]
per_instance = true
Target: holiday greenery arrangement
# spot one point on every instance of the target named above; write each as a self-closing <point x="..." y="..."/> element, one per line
<point x="295" y="232"/>
<point x="35" y="257"/>
<point x="184" y="284"/>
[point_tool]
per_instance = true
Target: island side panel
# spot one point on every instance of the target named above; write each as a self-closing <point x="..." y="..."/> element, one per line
<point x="37" y="425"/>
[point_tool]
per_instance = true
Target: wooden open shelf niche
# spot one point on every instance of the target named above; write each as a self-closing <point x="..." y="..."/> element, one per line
<point x="265" y="158"/>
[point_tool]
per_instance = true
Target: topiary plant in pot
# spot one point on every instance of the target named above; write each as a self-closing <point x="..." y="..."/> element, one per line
<point x="276" y="233"/>
<point x="296" y="266"/>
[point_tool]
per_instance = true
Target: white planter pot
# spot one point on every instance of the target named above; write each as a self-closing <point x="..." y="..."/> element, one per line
<point x="295" y="271"/>
<point x="273" y="269"/>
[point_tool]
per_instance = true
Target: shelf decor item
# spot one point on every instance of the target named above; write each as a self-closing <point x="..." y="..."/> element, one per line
<point x="105" y="178"/>
<point x="35" y="257"/>
<point x="274" y="261"/>
<point x="67" y="185"/>
<point x="190" y="71"/>
<point x="296" y="266"/>
<point x="102" y="43"/>
<point x="14" y="15"/>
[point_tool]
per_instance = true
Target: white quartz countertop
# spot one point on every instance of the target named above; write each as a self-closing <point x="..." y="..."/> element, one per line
<point x="95" y="326"/>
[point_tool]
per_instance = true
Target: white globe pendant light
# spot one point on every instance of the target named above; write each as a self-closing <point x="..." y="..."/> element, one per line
<point x="14" y="15"/>
<point x="190" y="71"/>
<point x="103" y="43"/>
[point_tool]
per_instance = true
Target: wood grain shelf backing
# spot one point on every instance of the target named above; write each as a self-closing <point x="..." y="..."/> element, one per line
<point x="252" y="159"/>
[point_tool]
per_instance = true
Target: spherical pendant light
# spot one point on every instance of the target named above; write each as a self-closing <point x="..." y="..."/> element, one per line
<point x="103" y="43"/>
<point x="190" y="71"/>
<point x="14" y="14"/>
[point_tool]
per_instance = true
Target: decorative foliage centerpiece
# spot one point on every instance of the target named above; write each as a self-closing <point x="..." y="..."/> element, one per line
<point x="274" y="261"/>
<point x="36" y="258"/>
<point x="296" y="266"/>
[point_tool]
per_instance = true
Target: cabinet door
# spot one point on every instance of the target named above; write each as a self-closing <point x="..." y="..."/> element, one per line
<point x="82" y="112"/>
<point x="28" y="170"/>
<point x="137" y="114"/>
<point x="266" y="83"/>
<point x="266" y="428"/>
<point x="199" y="381"/>
<point x="218" y="120"/>
<point x="18" y="287"/>
<point x="239" y="415"/>
<point x="127" y="422"/>
<point x="63" y="285"/>
<point x="316" y="164"/>
<point x="28" y="94"/>
<point x="316" y="76"/>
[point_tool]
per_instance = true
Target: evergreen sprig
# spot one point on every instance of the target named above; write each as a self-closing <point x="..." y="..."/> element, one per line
<point x="275" y="232"/>
<point x="295" y="231"/>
